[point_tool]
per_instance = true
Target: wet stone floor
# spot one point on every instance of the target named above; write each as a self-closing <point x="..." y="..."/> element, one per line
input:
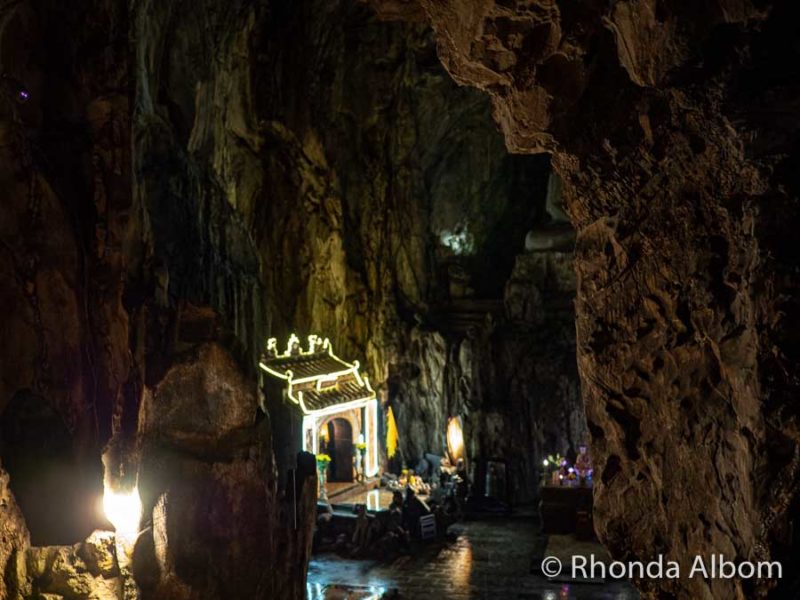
<point x="489" y="559"/>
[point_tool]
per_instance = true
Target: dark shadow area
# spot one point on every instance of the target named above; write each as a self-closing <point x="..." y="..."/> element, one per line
<point x="57" y="493"/>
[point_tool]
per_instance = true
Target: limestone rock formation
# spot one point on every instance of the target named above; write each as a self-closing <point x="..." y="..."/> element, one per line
<point x="13" y="543"/>
<point x="183" y="181"/>
<point x="509" y="373"/>
<point x="86" y="571"/>
<point x="208" y="486"/>
<point x="110" y="266"/>
<point x="401" y="217"/>
<point x="672" y="127"/>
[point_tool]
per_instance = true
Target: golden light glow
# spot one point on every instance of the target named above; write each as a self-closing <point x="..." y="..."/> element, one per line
<point x="124" y="510"/>
<point x="321" y="381"/>
<point x="391" y="434"/>
<point x="455" y="438"/>
<point x="460" y="565"/>
<point x="327" y="382"/>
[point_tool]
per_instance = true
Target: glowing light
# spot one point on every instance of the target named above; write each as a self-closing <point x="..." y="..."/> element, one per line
<point x="293" y="347"/>
<point x="310" y="429"/>
<point x="325" y="383"/>
<point x="545" y="462"/>
<point x="391" y="434"/>
<point x="321" y="381"/>
<point x="335" y="408"/>
<point x="124" y="510"/>
<point x="459" y="239"/>
<point x="374" y="500"/>
<point x="372" y="438"/>
<point x="455" y="438"/>
<point x="376" y="593"/>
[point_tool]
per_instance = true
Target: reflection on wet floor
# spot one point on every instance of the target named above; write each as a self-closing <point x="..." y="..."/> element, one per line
<point x="318" y="591"/>
<point x="375" y="498"/>
<point x="489" y="559"/>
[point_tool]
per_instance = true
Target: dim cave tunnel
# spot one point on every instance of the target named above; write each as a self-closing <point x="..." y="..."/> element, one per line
<point x="399" y="299"/>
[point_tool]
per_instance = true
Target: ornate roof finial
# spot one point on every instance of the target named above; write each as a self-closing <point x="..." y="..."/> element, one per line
<point x="293" y="347"/>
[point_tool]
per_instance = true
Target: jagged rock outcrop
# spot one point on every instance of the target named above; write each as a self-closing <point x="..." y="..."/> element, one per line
<point x="87" y="570"/>
<point x="214" y="513"/>
<point x="13" y="544"/>
<point x="673" y="128"/>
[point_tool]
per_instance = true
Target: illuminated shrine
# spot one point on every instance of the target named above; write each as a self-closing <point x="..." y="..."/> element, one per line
<point x="332" y="408"/>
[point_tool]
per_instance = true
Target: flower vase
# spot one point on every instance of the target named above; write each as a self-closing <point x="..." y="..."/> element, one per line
<point x="359" y="466"/>
<point x="322" y="492"/>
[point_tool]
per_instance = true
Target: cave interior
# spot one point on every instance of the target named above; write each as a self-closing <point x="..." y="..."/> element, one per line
<point x="306" y="300"/>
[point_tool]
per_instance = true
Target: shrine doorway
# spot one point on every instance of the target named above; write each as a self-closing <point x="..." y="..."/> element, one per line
<point x="340" y="449"/>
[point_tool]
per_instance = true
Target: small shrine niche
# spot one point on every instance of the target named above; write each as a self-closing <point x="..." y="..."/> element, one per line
<point x="333" y="401"/>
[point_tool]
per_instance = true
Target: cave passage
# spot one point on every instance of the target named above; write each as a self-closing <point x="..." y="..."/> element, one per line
<point x="312" y="299"/>
<point x="470" y="353"/>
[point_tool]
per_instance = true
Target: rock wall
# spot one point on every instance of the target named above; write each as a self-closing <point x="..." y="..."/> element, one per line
<point x="123" y="251"/>
<point x="65" y="154"/>
<point x="207" y="473"/>
<point x="392" y="221"/>
<point x="673" y="127"/>
<point x="186" y="178"/>
<point x="507" y="369"/>
<point x="368" y="164"/>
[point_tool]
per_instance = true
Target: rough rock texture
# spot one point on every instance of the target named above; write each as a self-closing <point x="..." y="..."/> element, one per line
<point x="507" y="369"/>
<point x="207" y="479"/>
<point x="372" y="154"/>
<point x="14" y="541"/>
<point x="391" y="218"/>
<point x="86" y="571"/>
<point x="186" y="178"/>
<point x="111" y="266"/>
<point x="64" y="172"/>
<point x="674" y="129"/>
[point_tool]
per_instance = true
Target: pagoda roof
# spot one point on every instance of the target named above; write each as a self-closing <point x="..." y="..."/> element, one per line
<point x="318" y="381"/>
<point x="305" y="366"/>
